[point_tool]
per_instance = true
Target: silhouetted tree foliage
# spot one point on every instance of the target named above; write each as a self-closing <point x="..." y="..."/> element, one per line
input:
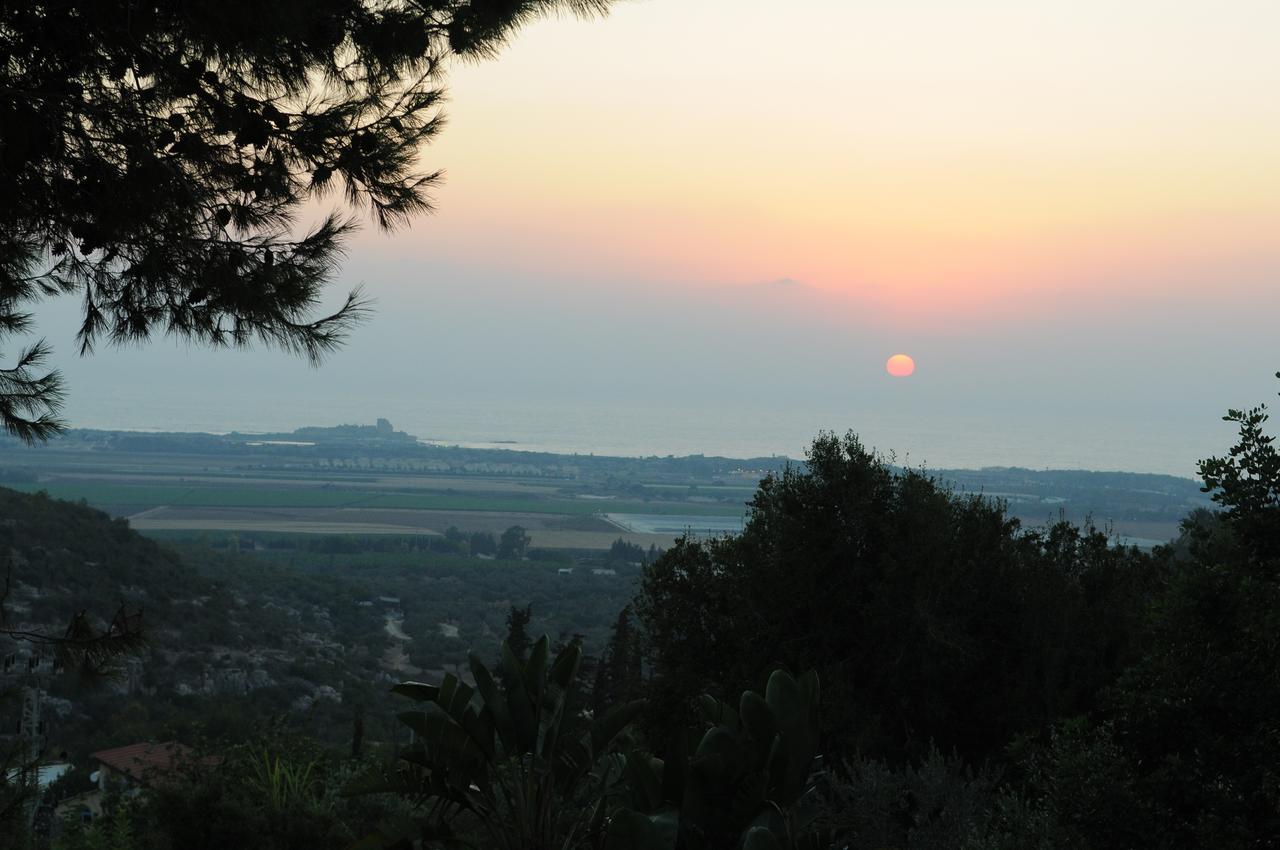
<point x="155" y="157"/>
<point x="1247" y="483"/>
<point x="513" y="543"/>
<point x="579" y="702"/>
<point x="618" y="678"/>
<point x="1182" y="750"/>
<point x="627" y="553"/>
<point x="932" y="616"/>
<point x="1195" y="717"/>
<point x="482" y="543"/>
<point x="518" y="630"/>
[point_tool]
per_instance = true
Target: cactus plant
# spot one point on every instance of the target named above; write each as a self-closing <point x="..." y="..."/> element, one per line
<point x="749" y="783"/>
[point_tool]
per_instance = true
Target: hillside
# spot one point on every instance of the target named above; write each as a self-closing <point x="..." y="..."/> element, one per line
<point x="222" y="641"/>
<point x="308" y="629"/>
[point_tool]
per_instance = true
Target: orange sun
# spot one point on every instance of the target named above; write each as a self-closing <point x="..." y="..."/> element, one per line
<point x="900" y="366"/>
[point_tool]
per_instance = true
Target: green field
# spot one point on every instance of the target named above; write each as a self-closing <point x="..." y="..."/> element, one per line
<point x="144" y="496"/>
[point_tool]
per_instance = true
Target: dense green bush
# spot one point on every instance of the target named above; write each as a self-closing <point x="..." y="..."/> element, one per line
<point x="933" y="616"/>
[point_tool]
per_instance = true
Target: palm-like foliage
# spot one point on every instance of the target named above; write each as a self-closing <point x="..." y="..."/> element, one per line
<point x="286" y="784"/>
<point x="749" y="783"/>
<point x="506" y="752"/>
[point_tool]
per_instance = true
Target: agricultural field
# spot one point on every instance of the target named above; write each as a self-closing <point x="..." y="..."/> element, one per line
<point x="307" y="495"/>
<point x="546" y="530"/>
<point x="362" y="480"/>
<point x="240" y="489"/>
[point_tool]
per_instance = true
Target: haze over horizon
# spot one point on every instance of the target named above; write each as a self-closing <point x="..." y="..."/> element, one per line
<point x="703" y="228"/>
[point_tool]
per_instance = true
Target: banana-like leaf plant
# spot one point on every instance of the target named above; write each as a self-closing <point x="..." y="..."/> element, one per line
<point x="506" y="752"/>
<point x="750" y="783"/>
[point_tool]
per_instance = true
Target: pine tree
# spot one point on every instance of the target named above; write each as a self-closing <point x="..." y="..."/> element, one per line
<point x="155" y="159"/>
<point x="619" y="677"/>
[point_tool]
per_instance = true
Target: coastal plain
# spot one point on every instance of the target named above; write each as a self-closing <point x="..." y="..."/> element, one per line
<point x="373" y="480"/>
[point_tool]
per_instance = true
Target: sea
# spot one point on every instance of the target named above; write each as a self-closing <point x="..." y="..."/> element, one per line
<point x="955" y="438"/>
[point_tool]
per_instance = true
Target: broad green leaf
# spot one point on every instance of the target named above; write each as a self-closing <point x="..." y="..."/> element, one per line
<point x="719" y="741"/>
<point x="797" y="718"/>
<point x="479" y="726"/>
<point x="675" y="765"/>
<point x="784" y="697"/>
<point x="630" y="830"/>
<point x="454" y="696"/>
<point x="565" y="667"/>
<point x="644" y="779"/>
<point x="417" y="691"/>
<point x="573" y="760"/>
<point x="535" y="669"/>
<point x="519" y="704"/>
<point x="759" y="838"/>
<point x="495" y="703"/>
<point x="757" y="718"/>
<point x="717" y="712"/>
<point x="613" y="723"/>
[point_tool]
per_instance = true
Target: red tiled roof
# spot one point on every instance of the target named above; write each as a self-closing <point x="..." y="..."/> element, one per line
<point x="142" y="762"/>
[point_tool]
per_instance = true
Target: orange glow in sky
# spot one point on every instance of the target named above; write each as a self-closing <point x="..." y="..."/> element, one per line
<point x="977" y="159"/>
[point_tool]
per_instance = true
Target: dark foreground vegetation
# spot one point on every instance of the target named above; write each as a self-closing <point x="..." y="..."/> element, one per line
<point x="877" y="661"/>
<point x="874" y="662"/>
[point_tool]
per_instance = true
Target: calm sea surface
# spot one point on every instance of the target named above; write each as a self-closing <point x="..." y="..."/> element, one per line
<point x="956" y="438"/>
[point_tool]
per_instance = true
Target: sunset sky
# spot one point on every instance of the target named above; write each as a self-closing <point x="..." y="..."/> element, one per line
<point x="1060" y="210"/>
<point x="911" y="158"/>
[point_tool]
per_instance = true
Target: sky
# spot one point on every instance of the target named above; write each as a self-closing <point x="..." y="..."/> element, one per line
<point x="705" y="225"/>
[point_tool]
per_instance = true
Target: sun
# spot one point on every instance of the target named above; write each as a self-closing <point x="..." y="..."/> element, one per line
<point x="900" y="366"/>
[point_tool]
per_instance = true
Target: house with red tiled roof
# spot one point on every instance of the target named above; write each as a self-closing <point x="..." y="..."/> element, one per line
<point x="138" y="765"/>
